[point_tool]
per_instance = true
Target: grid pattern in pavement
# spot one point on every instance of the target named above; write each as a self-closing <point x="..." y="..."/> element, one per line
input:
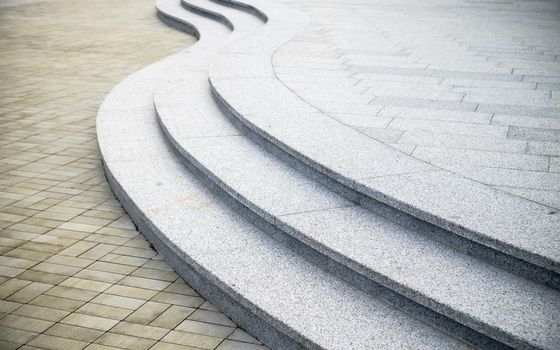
<point x="74" y="272"/>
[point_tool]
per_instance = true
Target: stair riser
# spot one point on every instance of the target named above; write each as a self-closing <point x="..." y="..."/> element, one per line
<point x="465" y="245"/>
<point x="179" y="25"/>
<point x="206" y="13"/>
<point x="243" y="7"/>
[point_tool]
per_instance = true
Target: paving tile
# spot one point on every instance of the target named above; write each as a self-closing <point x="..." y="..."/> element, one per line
<point x="57" y="303"/>
<point x="8" y="306"/>
<point x="169" y="346"/>
<point x="13" y="233"/>
<point x="56" y="269"/>
<point x="87" y="321"/>
<point x="43" y="277"/>
<point x="100" y="276"/>
<point x="29" y="292"/>
<point x="448" y="157"/>
<point x="544" y="148"/>
<point x="100" y="347"/>
<point x="56" y="343"/>
<point x="481" y="143"/>
<point x="54" y="240"/>
<point x="17" y="336"/>
<point x="9" y="346"/>
<point x="25" y="323"/>
<point x="147" y="283"/>
<point x="554" y="164"/>
<point x="138" y="330"/>
<point x="136" y="252"/>
<point x="534" y="134"/>
<point x="125" y="341"/>
<point x="234" y="345"/>
<point x="156" y="274"/>
<point x="74" y="332"/>
<point x="179" y="287"/>
<point x="7" y="271"/>
<point x="157" y="265"/>
<point x="531" y="122"/>
<point x="132" y="292"/>
<point x="28" y="254"/>
<point x="113" y="268"/>
<point x="16" y="262"/>
<point x="242" y="336"/>
<point x="208" y="306"/>
<point x="69" y="261"/>
<point x="118" y="301"/>
<point x="123" y="259"/>
<point x="99" y="310"/>
<point x="191" y="339"/>
<point x="71" y="293"/>
<point x="78" y="248"/>
<point x="173" y="316"/>
<point x="108" y="239"/>
<point x="148" y="312"/>
<point x="80" y="283"/>
<point x="11" y="286"/>
<point x="211" y="317"/>
<point x="42" y="313"/>
<point x="118" y="232"/>
<point x="98" y="251"/>
<point x="79" y="227"/>
<point x="178" y="299"/>
<point x="210" y="329"/>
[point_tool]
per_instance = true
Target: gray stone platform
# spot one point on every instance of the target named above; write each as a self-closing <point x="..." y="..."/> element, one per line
<point x="471" y="87"/>
<point x="320" y="152"/>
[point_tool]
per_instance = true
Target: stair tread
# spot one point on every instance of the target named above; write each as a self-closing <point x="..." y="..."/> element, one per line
<point x="261" y="272"/>
<point x="302" y="300"/>
<point x="441" y="278"/>
<point x="372" y="168"/>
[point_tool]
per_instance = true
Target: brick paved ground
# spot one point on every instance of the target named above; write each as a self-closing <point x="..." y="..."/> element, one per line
<point x="74" y="273"/>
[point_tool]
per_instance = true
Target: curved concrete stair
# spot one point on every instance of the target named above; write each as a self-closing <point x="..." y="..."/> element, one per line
<point x="274" y="293"/>
<point x="433" y="282"/>
<point x="375" y="175"/>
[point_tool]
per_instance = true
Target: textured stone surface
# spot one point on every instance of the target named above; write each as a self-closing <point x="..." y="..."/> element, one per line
<point x="491" y="56"/>
<point x="349" y="154"/>
<point x="267" y="275"/>
<point x="371" y="245"/>
<point x="262" y="183"/>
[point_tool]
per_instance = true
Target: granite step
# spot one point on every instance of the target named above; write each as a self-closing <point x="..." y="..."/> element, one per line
<point x="204" y="8"/>
<point x="438" y="284"/>
<point x="430" y="280"/>
<point x="504" y="229"/>
<point x="271" y="291"/>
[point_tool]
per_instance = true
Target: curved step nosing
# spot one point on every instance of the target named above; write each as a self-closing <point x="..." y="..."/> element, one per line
<point x="207" y="13"/>
<point x="243" y="7"/>
<point x="196" y="276"/>
<point x="432" y="231"/>
<point x="177" y="23"/>
<point x="437" y="314"/>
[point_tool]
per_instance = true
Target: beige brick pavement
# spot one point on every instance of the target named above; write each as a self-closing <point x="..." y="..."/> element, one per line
<point x="74" y="273"/>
